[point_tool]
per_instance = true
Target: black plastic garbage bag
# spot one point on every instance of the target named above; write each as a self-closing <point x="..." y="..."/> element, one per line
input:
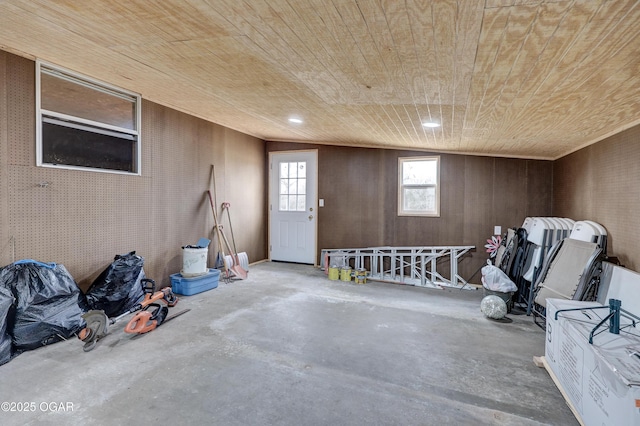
<point x="118" y="288"/>
<point x="7" y="317"/>
<point x="49" y="304"/>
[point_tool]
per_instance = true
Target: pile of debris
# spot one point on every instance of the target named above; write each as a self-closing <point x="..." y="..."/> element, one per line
<point x="40" y="304"/>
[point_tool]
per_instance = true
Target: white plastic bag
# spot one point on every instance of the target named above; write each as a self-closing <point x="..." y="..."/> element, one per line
<point x="494" y="279"/>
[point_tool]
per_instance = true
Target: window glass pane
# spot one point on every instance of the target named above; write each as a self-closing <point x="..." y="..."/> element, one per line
<point x="284" y="170"/>
<point x="284" y="186"/>
<point x="79" y="100"/>
<point x="292" y="202"/>
<point x="301" y="203"/>
<point x="418" y="186"/>
<point x="293" y="170"/>
<point x="85" y="123"/>
<point x="419" y="172"/>
<point x="76" y="147"/>
<point x="302" y="169"/>
<point x="419" y="199"/>
<point x="284" y="202"/>
<point x="302" y="186"/>
<point x="292" y="186"/>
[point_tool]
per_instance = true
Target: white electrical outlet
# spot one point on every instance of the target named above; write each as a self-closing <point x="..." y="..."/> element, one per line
<point x="321" y="202"/>
<point x="497" y="230"/>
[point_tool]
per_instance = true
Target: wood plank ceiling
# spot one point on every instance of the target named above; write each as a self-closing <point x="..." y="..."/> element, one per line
<point x="522" y="78"/>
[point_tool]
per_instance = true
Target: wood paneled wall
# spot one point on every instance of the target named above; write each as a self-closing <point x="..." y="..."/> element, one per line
<point x="82" y="219"/>
<point x="602" y="183"/>
<point x="359" y="187"/>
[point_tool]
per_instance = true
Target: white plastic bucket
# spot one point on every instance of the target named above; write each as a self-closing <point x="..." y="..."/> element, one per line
<point x="194" y="261"/>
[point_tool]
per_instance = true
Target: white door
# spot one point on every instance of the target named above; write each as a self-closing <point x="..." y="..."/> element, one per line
<point x="293" y="206"/>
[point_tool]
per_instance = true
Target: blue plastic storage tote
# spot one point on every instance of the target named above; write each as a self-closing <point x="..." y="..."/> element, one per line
<point x="188" y="286"/>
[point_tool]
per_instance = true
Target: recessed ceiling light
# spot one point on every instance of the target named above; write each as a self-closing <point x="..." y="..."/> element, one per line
<point x="295" y="120"/>
<point x="430" y="124"/>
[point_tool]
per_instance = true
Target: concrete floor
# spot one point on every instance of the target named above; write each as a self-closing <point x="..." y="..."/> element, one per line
<point x="290" y="347"/>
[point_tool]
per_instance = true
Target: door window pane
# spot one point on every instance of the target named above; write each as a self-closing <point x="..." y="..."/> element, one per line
<point x="293" y="186"/>
<point x="284" y="186"/>
<point x="284" y="202"/>
<point x="302" y="186"/>
<point x="301" y="203"/>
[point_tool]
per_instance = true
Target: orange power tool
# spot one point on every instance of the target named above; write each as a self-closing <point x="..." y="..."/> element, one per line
<point x="150" y="314"/>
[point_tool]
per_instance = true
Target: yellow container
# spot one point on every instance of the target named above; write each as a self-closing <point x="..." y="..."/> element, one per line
<point x="361" y="276"/>
<point x="345" y="274"/>
<point x="334" y="273"/>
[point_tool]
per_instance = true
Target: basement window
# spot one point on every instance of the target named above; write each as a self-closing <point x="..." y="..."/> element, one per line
<point x="419" y="186"/>
<point x="84" y="124"/>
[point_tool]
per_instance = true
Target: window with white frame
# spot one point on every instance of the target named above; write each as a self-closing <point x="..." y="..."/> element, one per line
<point x="293" y="186"/>
<point x="419" y="186"/>
<point x="85" y="124"/>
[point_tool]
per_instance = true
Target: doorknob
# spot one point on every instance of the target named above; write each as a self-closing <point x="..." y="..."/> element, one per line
<point x="310" y="216"/>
